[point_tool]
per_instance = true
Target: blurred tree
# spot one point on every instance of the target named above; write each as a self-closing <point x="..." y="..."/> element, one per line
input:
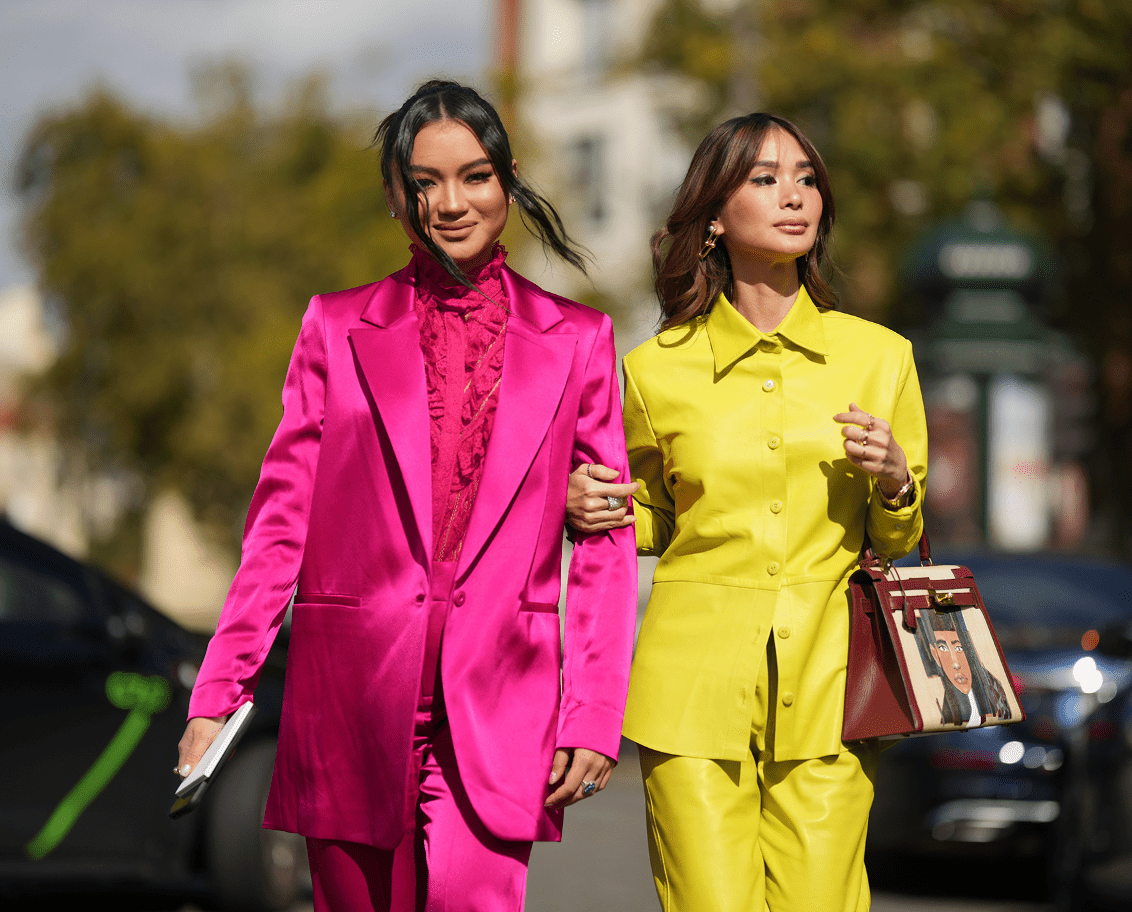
<point x="180" y="259"/>
<point x="920" y="105"/>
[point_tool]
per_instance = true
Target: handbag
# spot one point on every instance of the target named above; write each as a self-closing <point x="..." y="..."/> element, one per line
<point x="923" y="655"/>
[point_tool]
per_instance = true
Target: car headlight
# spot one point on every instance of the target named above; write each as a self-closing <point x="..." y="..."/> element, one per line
<point x="1087" y="675"/>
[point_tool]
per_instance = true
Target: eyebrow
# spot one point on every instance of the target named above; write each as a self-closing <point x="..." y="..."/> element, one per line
<point x="803" y="163"/>
<point x="478" y="163"/>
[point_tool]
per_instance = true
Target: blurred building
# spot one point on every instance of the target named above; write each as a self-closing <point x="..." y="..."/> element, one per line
<point x="35" y="492"/>
<point x="1008" y="399"/>
<point x="600" y="141"/>
<point x="46" y="492"/>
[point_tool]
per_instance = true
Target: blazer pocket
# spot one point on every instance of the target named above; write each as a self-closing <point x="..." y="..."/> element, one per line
<point x="539" y="607"/>
<point x="320" y="598"/>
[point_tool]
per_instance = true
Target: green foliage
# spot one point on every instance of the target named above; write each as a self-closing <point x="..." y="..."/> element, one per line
<point x="917" y="106"/>
<point x="180" y="259"/>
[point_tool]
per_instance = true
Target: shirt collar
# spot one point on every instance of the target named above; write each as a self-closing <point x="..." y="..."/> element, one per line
<point x="733" y="336"/>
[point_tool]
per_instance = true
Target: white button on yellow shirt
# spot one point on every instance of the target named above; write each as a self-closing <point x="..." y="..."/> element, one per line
<point x="754" y="538"/>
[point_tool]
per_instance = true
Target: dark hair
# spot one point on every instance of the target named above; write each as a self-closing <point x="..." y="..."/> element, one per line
<point x="686" y="284"/>
<point x="440" y="99"/>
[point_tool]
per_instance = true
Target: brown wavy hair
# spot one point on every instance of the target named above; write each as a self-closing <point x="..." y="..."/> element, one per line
<point x="687" y="285"/>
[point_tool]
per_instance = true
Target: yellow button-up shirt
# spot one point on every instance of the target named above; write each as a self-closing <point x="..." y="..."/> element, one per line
<point x="758" y="519"/>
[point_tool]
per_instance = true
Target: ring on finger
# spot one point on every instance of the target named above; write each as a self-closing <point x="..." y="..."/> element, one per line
<point x="872" y="421"/>
<point x="615" y="503"/>
<point x="589" y="787"/>
<point x="864" y="441"/>
<point x="590" y="469"/>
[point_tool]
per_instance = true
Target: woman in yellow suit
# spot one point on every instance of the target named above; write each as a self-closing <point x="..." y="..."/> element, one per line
<point x="762" y="426"/>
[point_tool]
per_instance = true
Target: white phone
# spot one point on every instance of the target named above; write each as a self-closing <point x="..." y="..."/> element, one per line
<point x="192" y="787"/>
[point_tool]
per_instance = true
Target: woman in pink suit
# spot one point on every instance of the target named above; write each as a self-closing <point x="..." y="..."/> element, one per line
<point x="413" y="501"/>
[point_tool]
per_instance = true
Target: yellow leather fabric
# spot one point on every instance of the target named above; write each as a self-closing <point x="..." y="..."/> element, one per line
<point x="740" y="836"/>
<point x="758" y="519"/>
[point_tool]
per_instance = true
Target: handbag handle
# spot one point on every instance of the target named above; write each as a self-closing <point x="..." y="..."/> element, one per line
<point x="869" y="557"/>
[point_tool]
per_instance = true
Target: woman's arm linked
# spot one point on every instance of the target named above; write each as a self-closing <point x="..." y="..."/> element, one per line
<point x="272" y="550"/>
<point x="601" y="603"/>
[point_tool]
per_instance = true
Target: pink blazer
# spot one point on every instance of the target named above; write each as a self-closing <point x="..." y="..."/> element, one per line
<point x="343" y="512"/>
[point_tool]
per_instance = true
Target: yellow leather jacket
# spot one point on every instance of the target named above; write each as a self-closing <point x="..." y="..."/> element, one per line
<point x="758" y="519"/>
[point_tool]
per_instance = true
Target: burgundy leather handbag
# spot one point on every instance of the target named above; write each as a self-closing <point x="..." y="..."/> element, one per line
<point x="923" y="656"/>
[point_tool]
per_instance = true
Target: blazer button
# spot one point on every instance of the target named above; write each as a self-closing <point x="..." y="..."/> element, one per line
<point x="776" y="506"/>
<point x="788" y="699"/>
<point x="774" y="442"/>
<point x="769" y="386"/>
<point x="459" y="599"/>
<point x="784" y="632"/>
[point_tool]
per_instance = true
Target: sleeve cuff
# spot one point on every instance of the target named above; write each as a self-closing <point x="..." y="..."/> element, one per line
<point x="217" y="698"/>
<point x="594" y="727"/>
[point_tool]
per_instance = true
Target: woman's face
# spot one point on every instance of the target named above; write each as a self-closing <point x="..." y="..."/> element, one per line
<point x="952" y="659"/>
<point x="774" y="215"/>
<point x="467" y="207"/>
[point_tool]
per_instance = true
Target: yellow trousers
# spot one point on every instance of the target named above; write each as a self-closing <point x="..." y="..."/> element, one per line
<point x="758" y="835"/>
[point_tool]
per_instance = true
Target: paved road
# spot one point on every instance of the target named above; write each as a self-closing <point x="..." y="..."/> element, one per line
<point x="602" y="866"/>
<point x="602" y="863"/>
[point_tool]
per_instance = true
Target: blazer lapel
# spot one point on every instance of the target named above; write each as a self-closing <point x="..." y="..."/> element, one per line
<point x="536" y="366"/>
<point x="392" y="366"/>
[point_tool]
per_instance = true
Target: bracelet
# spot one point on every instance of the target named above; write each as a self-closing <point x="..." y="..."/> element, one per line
<point x="896" y="502"/>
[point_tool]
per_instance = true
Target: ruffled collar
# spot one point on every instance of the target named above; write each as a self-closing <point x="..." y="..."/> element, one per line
<point x="437" y="287"/>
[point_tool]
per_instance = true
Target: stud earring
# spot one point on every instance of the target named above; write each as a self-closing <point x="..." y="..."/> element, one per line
<point x="392" y="214"/>
<point x="709" y="244"/>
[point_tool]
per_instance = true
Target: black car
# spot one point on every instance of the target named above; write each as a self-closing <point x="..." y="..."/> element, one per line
<point x="1000" y="792"/>
<point x="1095" y="853"/>
<point x="95" y="685"/>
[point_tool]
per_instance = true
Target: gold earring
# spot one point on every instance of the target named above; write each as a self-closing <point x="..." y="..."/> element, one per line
<point x="709" y="244"/>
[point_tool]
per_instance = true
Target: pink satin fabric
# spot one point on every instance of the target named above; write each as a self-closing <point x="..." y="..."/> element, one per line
<point x="342" y="522"/>
<point x="447" y="862"/>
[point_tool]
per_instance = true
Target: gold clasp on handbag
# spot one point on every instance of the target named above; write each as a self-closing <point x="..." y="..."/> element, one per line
<point x="941" y="599"/>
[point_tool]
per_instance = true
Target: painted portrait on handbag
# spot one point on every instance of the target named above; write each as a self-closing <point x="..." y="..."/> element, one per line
<point x="967" y="686"/>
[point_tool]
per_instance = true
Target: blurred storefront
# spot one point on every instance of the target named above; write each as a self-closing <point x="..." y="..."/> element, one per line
<point x="1007" y="397"/>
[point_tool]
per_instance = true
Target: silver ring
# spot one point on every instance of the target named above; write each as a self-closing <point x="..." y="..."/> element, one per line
<point x="864" y="440"/>
<point x="615" y="503"/>
<point x="589" y="787"/>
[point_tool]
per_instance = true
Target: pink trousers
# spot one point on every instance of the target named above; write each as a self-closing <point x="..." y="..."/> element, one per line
<point x="447" y="860"/>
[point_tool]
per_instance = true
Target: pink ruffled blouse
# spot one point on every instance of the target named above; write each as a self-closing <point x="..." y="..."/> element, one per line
<point x="462" y="337"/>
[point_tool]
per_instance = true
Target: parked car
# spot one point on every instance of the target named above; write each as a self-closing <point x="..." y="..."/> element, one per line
<point x="999" y="792"/>
<point x="95" y="685"/>
<point x="1095" y="852"/>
